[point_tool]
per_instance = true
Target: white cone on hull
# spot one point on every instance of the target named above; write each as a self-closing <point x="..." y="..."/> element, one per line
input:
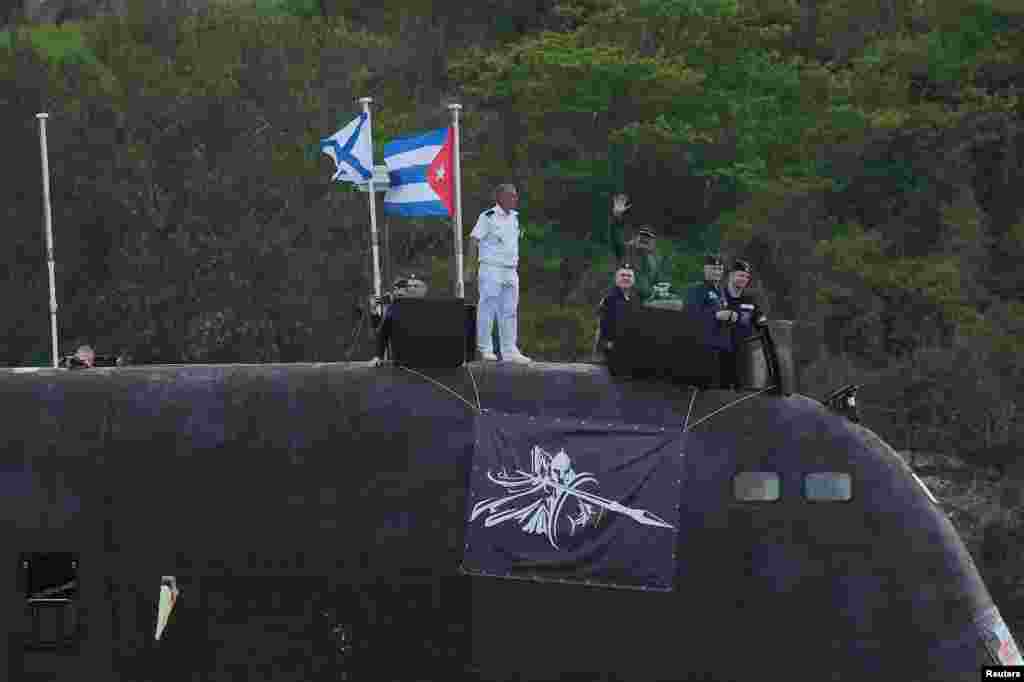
<point x="168" y="597"/>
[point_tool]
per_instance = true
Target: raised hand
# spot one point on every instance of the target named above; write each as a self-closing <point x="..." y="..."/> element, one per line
<point x="620" y="204"/>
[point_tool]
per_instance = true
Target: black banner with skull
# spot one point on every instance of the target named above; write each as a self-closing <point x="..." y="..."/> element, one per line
<point x="574" y="501"/>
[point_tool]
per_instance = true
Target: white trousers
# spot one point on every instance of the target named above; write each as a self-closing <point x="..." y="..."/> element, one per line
<point x="499" y="301"/>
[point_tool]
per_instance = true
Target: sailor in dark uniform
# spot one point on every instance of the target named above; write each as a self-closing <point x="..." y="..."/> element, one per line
<point x="706" y="302"/>
<point x="727" y="314"/>
<point x="405" y="287"/>
<point x="742" y="317"/>
<point x="613" y="307"/>
<point x="709" y="292"/>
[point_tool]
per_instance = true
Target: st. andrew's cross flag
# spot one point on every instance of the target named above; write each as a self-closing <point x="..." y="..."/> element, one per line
<point x="421" y="173"/>
<point x="568" y="500"/>
<point x="351" y="148"/>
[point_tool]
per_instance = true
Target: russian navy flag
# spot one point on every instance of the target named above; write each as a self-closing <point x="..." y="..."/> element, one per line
<point x="574" y="501"/>
<point x="351" y="148"/>
<point x="420" y="169"/>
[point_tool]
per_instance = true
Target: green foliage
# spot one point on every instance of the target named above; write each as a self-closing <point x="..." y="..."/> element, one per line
<point x="675" y="9"/>
<point x="62" y="44"/>
<point x="564" y="72"/>
<point x="754" y="96"/>
<point x="598" y="172"/>
<point x="549" y="243"/>
<point x="214" y="171"/>
<point x="889" y="171"/>
<point x="935" y="278"/>
<point x="950" y="50"/>
<point x="536" y="234"/>
<point x="755" y="102"/>
<point x="305" y="9"/>
<point x="548" y="331"/>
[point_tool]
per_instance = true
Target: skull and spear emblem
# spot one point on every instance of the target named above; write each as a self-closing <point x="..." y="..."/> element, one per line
<point x="557" y="484"/>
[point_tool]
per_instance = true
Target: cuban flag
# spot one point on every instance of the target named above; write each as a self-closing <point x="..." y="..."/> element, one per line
<point x="420" y="170"/>
<point x="351" y="148"/>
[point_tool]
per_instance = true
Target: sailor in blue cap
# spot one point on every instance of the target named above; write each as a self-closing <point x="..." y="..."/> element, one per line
<point x="706" y="302"/>
<point x="709" y="292"/>
<point x="741" y="316"/>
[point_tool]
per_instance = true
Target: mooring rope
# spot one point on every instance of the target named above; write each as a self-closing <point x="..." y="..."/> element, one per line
<point x="690" y="410"/>
<point x="478" y="408"/>
<point x="727" y="406"/>
<point x="438" y="383"/>
<point x="479" y="405"/>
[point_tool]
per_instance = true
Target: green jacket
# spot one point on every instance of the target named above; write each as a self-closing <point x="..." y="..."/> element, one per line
<point x="650" y="270"/>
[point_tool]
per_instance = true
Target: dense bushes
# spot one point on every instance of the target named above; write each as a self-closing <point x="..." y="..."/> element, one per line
<point x="865" y="159"/>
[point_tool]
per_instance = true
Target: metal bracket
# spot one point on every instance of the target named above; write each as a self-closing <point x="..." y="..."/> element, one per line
<point x="844" y="402"/>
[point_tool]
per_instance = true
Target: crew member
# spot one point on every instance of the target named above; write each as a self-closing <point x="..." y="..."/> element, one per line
<point x="494" y="244"/>
<point x="613" y="306"/>
<point x="706" y="302"/>
<point x="405" y="287"/>
<point x="650" y="267"/>
<point x="709" y="292"/>
<point x="742" y="314"/>
<point x="84" y="358"/>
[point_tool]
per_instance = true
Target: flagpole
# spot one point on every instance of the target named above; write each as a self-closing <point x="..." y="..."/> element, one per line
<point x="460" y="291"/>
<point x="374" y="244"/>
<point x="49" y="236"/>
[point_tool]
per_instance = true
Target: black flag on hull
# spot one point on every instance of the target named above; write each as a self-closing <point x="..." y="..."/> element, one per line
<point x="565" y="500"/>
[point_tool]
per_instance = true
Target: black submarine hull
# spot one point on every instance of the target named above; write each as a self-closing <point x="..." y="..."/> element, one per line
<point x="314" y="517"/>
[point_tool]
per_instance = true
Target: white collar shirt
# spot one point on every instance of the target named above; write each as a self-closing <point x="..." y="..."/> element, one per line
<point x="498" y="233"/>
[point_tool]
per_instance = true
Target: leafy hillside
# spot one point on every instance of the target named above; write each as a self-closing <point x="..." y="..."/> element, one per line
<point x="866" y="157"/>
<point x="863" y="156"/>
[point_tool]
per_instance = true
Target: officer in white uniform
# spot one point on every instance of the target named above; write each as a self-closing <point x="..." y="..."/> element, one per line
<point x="496" y="239"/>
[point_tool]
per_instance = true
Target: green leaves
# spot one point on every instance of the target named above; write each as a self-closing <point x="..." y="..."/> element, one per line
<point x="61" y="44"/>
<point x="211" y="131"/>
<point x="676" y="9"/>
<point x="547" y="241"/>
<point x="937" y="278"/>
<point x="950" y="49"/>
<point x="564" y="72"/>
